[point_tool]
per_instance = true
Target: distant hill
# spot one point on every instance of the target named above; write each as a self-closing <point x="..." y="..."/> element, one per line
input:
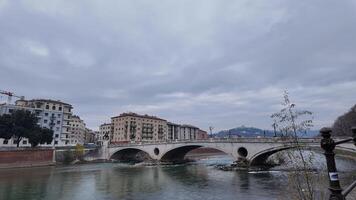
<point x="244" y="131"/>
<point x="343" y="124"/>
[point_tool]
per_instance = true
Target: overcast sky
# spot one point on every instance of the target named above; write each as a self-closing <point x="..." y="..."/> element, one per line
<point x="223" y="63"/>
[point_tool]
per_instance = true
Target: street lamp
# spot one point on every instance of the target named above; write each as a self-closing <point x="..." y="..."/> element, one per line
<point x="328" y="144"/>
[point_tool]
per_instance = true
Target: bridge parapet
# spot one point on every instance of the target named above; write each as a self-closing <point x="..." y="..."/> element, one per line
<point x="255" y="150"/>
<point x="280" y="140"/>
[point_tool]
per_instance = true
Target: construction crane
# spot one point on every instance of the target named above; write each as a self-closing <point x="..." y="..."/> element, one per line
<point x="10" y="95"/>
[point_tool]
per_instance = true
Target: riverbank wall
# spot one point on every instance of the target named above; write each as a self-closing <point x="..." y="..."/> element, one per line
<point x="26" y="157"/>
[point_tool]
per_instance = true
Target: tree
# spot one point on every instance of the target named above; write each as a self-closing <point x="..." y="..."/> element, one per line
<point x="292" y="123"/>
<point x="79" y="151"/>
<point x="23" y="124"/>
<point x="5" y="127"/>
<point x="40" y="136"/>
<point x="343" y="124"/>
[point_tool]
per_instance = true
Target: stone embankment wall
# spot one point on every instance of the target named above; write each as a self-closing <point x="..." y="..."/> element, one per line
<point x="25" y="157"/>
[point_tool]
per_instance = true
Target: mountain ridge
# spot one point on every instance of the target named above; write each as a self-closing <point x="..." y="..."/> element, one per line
<point x="245" y="131"/>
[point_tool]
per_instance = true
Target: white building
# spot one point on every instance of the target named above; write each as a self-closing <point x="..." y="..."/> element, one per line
<point x="182" y="132"/>
<point x="173" y="131"/>
<point x="52" y="114"/>
<point x="105" y="133"/>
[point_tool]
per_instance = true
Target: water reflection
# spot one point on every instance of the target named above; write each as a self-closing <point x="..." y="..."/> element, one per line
<point x="119" y="181"/>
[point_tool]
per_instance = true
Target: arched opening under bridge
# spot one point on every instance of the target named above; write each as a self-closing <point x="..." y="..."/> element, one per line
<point x="190" y="152"/>
<point x="130" y="155"/>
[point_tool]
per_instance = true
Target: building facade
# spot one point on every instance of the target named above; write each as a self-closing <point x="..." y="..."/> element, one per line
<point x="105" y="133"/>
<point x="77" y="131"/>
<point x="188" y="132"/>
<point x="52" y="114"/>
<point x="89" y="136"/>
<point x="202" y="135"/>
<point x="173" y="131"/>
<point x="134" y="127"/>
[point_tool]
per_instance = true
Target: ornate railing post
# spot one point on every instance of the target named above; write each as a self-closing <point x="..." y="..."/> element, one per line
<point x="328" y="144"/>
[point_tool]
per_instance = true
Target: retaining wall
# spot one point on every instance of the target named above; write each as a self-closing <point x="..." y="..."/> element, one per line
<point x="25" y="157"/>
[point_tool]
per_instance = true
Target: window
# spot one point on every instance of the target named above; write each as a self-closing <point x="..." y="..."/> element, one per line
<point x="56" y="135"/>
<point x="57" y="128"/>
<point x="59" y="115"/>
<point x="56" y="142"/>
<point x="60" y="108"/>
<point x="58" y="122"/>
<point x="47" y="106"/>
<point x="46" y="114"/>
<point x="24" y="142"/>
<point x="5" y="142"/>
<point x="45" y="121"/>
<point x="11" y="110"/>
<point x="53" y="107"/>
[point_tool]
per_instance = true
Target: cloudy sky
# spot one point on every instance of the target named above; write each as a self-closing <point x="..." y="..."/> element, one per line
<point x="223" y="63"/>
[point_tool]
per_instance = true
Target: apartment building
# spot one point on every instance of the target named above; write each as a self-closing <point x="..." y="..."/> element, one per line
<point x="89" y="136"/>
<point x="105" y="133"/>
<point x="184" y="132"/>
<point x="77" y="131"/>
<point x="173" y="131"/>
<point x="52" y="114"/>
<point x="202" y="135"/>
<point x="188" y="132"/>
<point x="135" y="127"/>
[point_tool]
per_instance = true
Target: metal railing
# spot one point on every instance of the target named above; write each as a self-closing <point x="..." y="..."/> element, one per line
<point x="328" y="144"/>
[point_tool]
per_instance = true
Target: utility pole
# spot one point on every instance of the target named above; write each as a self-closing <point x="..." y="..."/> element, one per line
<point x="328" y="144"/>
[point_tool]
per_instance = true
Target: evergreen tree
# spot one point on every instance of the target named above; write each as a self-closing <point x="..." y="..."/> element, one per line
<point x="23" y="124"/>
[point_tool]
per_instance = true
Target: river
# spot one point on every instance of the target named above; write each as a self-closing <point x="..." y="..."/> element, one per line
<point x="199" y="181"/>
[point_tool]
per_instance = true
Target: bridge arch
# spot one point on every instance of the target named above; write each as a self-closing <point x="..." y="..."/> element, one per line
<point x="178" y="153"/>
<point x="261" y="157"/>
<point x="130" y="154"/>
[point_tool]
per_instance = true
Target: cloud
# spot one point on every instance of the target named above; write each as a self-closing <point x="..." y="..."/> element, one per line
<point x="205" y="62"/>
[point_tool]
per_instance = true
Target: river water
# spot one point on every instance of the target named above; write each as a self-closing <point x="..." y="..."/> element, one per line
<point x="197" y="181"/>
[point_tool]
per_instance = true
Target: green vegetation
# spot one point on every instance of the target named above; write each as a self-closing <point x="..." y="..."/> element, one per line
<point x="79" y="151"/>
<point x="23" y="124"/>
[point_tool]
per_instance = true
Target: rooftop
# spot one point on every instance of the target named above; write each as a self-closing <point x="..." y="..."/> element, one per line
<point x="47" y="101"/>
<point x="189" y="126"/>
<point x="131" y="114"/>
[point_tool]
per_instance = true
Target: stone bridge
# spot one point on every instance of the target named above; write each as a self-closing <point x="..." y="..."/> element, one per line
<point x="255" y="150"/>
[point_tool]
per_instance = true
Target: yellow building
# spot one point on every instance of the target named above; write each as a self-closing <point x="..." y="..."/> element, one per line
<point x="77" y="131"/>
<point x="134" y="127"/>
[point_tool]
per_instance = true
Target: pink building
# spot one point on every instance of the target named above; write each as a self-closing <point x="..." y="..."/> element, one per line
<point x="202" y="135"/>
